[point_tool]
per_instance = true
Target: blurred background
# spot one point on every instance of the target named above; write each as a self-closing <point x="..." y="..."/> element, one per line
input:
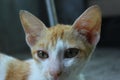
<point x="107" y="54"/>
<point x="12" y="39"/>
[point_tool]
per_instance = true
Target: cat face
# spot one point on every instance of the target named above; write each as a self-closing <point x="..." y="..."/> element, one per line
<point x="61" y="51"/>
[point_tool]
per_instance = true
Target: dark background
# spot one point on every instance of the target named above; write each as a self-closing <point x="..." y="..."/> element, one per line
<point x="12" y="38"/>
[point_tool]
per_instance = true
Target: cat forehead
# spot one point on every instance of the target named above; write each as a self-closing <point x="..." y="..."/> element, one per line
<point x="58" y="32"/>
<point x="59" y="29"/>
<point x="54" y="35"/>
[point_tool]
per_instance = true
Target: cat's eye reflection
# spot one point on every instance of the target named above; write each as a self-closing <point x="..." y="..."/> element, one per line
<point x="71" y="52"/>
<point x="42" y="54"/>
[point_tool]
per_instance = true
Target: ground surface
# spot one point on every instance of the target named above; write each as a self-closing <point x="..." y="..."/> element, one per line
<point x="104" y="65"/>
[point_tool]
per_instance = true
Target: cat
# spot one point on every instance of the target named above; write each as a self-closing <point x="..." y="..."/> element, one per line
<point x="59" y="52"/>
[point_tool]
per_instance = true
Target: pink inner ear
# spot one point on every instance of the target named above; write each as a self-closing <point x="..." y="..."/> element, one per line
<point x="92" y="37"/>
<point x="94" y="34"/>
<point x="91" y="33"/>
<point x="31" y="39"/>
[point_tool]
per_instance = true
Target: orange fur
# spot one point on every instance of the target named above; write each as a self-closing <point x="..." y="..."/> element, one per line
<point x="17" y="70"/>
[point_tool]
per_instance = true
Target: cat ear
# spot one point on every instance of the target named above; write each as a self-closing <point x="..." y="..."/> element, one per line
<point x="89" y="24"/>
<point x="33" y="27"/>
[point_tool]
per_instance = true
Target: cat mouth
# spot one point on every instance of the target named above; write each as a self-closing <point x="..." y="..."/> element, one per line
<point x="56" y="78"/>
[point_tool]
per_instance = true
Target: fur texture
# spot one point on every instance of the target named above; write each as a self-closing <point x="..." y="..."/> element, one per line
<point x="84" y="35"/>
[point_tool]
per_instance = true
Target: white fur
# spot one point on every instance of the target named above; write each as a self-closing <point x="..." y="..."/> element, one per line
<point x="4" y="60"/>
<point x="37" y="71"/>
<point x="34" y="71"/>
<point x="57" y="49"/>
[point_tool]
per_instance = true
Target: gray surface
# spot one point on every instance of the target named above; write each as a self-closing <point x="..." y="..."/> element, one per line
<point x="104" y="65"/>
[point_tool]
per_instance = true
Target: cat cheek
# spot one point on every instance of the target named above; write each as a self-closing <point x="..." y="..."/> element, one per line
<point x="35" y="57"/>
<point x="68" y="62"/>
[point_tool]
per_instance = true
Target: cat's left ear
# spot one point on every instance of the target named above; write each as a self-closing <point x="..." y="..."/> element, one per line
<point x="33" y="27"/>
<point x="89" y="24"/>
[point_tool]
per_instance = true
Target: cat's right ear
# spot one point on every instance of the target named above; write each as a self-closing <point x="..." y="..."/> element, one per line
<point x="89" y="24"/>
<point x="33" y="27"/>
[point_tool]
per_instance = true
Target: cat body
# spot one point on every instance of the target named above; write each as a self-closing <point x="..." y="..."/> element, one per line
<point x="59" y="52"/>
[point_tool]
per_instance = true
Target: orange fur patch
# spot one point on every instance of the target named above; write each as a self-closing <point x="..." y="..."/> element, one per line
<point x="57" y="32"/>
<point x="17" y="70"/>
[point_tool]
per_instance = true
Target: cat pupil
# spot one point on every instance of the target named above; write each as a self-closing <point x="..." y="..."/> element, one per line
<point x="42" y="54"/>
<point x="71" y="52"/>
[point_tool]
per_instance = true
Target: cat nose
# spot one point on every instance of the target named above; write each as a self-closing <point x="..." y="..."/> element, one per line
<point x="55" y="74"/>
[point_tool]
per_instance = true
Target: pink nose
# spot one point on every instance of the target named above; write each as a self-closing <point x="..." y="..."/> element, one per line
<point x="55" y="74"/>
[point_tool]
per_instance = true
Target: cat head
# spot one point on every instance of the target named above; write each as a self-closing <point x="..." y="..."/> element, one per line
<point x="62" y="50"/>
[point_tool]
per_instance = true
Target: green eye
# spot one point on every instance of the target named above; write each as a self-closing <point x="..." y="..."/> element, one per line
<point x="71" y="52"/>
<point x="42" y="54"/>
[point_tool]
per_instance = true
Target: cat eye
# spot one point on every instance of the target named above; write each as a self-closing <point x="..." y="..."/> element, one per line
<point x="71" y="52"/>
<point x="42" y="54"/>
